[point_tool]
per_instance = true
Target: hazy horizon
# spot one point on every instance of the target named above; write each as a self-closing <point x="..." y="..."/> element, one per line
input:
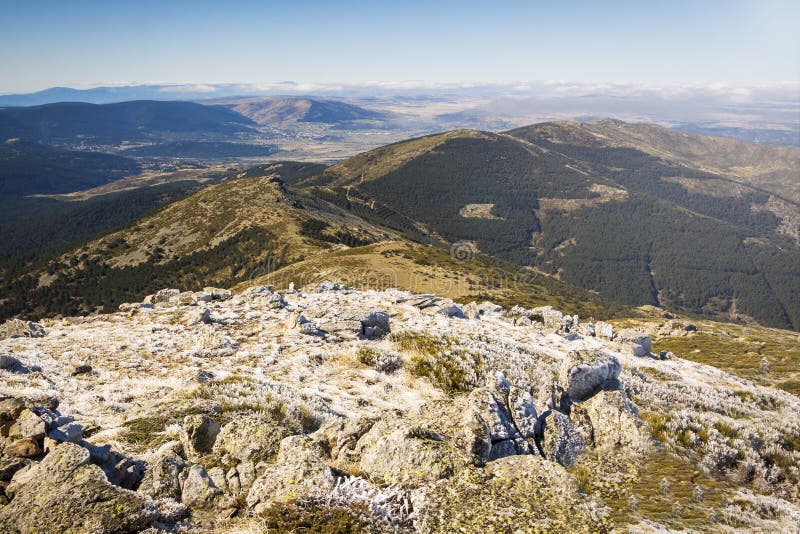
<point x="90" y="44"/>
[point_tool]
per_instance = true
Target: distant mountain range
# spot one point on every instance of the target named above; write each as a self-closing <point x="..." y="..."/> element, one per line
<point x="768" y="114"/>
<point x="159" y="121"/>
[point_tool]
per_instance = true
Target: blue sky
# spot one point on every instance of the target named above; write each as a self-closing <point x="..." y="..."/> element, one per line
<point x="86" y="43"/>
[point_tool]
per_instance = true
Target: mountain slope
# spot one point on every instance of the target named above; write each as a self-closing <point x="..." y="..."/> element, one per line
<point x="72" y="122"/>
<point x="254" y="228"/>
<point x="772" y="168"/>
<point x="644" y="229"/>
<point x="222" y="235"/>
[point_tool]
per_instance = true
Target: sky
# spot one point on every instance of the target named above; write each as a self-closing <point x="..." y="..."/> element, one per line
<point x="82" y="43"/>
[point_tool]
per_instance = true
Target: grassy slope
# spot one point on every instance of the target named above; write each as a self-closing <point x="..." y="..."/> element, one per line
<point x="738" y="349"/>
<point x="430" y="269"/>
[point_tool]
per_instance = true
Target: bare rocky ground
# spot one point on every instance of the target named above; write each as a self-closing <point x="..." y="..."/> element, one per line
<point x="335" y="410"/>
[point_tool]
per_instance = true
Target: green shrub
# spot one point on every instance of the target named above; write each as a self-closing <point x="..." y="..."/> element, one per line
<point x="367" y="355"/>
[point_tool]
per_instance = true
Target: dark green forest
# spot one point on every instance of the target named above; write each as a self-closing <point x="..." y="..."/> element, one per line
<point x="35" y="229"/>
<point x="28" y="168"/>
<point x="138" y="120"/>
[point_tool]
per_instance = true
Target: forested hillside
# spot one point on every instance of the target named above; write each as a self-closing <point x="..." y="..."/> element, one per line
<point x="73" y="122"/>
<point x="643" y="228"/>
<point x="29" y="167"/>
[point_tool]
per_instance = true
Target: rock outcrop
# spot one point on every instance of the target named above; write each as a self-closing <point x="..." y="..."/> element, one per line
<point x="299" y="470"/>
<point x="406" y="413"/>
<point x="65" y="493"/>
<point x="585" y="373"/>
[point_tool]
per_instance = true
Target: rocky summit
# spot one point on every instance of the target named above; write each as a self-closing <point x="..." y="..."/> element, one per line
<point x="328" y="409"/>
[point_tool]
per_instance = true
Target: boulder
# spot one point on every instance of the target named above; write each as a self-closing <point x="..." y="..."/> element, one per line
<point x="28" y="425"/>
<point x="329" y="286"/>
<point x="217" y="293"/>
<point x="509" y="447"/>
<point x="72" y="432"/>
<point x="523" y="321"/>
<point x="254" y="292"/>
<point x="298" y="473"/>
<point x="198" y="436"/>
<point x="9" y="466"/>
<point x="474" y="438"/>
<point x="613" y="421"/>
<point x="133" y="307"/>
<point x="67" y="494"/>
<point x="523" y="411"/>
<point x="23" y="448"/>
<point x="584" y="373"/>
<point x="405" y="450"/>
<point x="202" y="296"/>
<point x="513" y="494"/>
<point x="8" y="362"/>
<point x="350" y="327"/>
<point x="199" y="490"/>
<point x="641" y="344"/>
<point x="343" y="435"/>
<point x="124" y="471"/>
<point x="453" y="311"/>
<point x="19" y="328"/>
<point x="197" y="316"/>
<point x="375" y="324"/>
<point x="186" y="298"/>
<point x="310" y="328"/>
<point x="559" y="440"/>
<point x="165" y="473"/>
<point x="20" y="478"/>
<point x="161" y="296"/>
<point x="472" y="310"/>
<point x="10" y="409"/>
<point x="549" y="316"/>
<point x="494" y="412"/>
<point x="250" y="438"/>
<point x="603" y="330"/>
<point x="276" y="302"/>
<point x="507" y="417"/>
<point x="217" y="475"/>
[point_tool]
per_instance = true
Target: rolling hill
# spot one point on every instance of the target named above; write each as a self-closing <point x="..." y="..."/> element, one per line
<point x="630" y="211"/>
<point x="282" y="111"/>
<point x="76" y="122"/>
